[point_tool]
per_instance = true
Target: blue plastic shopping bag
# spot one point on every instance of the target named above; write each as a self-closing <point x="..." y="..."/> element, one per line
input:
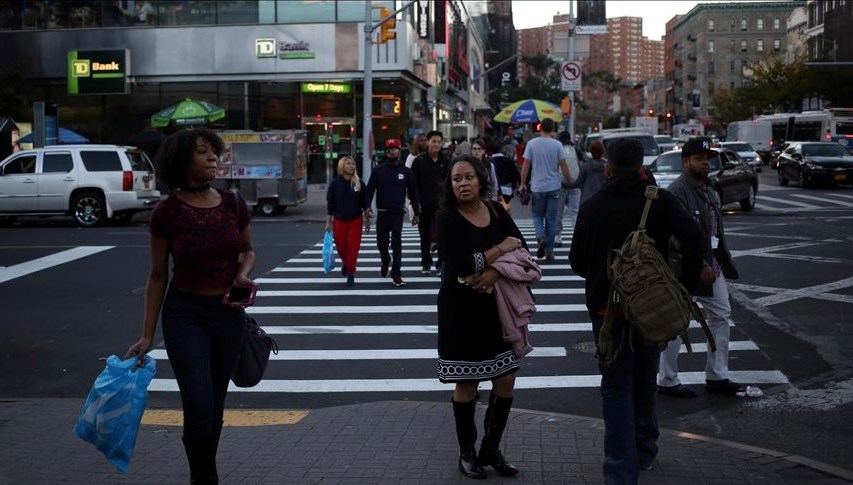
<point x="112" y="412"/>
<point x="328" y="252"/>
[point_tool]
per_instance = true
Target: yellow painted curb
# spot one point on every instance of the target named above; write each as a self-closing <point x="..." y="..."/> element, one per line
<point x="233" y="417"/>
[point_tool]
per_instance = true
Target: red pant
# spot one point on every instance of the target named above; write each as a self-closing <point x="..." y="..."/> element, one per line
<point x="348" y="241"/>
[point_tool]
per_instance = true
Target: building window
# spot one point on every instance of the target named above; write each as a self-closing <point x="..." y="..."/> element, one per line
<point x="732" y="45"/>
<point x="743" y="25"/>
<point x="710" y="25"/>
<point x="711" y="68"/>
<point x="777" y="24"/>
<point x="743" y="45"/>
<point x="759" y="46"/>
<point x="759" y="24"/>
<point x="732" y="25"/>
<point x="777" y="45"/>
<point x="732" y="66"/>
<point x="711" y="46"/>
<point x="731" y="85"/>
<point x="711" y="90"/>
<point x="306" y="11"/>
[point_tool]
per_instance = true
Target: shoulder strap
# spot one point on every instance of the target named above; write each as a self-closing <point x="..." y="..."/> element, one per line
<point x="650" y="194"/>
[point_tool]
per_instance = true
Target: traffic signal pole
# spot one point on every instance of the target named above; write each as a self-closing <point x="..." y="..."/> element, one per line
<point x="367" y="126"/>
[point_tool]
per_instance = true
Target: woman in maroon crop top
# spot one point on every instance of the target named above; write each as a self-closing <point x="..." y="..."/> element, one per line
<point x="206" y="233"/>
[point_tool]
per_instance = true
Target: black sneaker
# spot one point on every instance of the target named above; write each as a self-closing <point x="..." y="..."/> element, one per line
<point x="350" y="280"/>
<point x="680" y="390"/>
<point x="724" y="386"/>
<point x="398" y="281"/>
<point x="540" y="251"/>
<point x="383" y="270"/>
<point x="425" y="270"/>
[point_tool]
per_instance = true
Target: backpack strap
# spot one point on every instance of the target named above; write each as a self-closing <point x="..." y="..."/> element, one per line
<point x="606" y="349"/>
<point x="651" y="194"/>
<point x="697" y="314"/>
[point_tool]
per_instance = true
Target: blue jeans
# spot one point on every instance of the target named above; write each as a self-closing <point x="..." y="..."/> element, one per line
<point x="545" y="209"/>
<point x="203" y="338"/>
<point x="628" y="401"/>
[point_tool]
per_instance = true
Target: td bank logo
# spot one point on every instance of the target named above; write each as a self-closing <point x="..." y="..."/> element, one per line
<point x="80" y="68"/>
<point x="265" y="48"/>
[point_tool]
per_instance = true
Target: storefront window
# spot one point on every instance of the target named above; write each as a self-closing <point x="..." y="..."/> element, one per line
<point x="353" y="11"/>
<point x="186" y="12"/>
<point x="245" y="11"/>
<point x="305" y="11"/>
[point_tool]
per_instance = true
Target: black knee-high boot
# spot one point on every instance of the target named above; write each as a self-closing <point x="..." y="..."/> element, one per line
<point x="201" y="455"/>
<point x="490" y="450"/>
<point x="466" y="434"/>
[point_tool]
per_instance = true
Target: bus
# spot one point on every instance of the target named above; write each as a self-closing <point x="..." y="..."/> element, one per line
<point x="810" y="125"/>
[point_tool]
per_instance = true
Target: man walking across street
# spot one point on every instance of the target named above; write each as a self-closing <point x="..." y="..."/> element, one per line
<point x="701" y="201"/>
<point x="429" y="170"/>
<point x="628" y="384"/>
<point x="570" y="198"/>
<point x="392" y="181"/>
<point x="545" y="157"/>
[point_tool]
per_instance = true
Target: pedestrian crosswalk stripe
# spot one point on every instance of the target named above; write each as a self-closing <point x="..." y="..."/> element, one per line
<point x="371" y="354"/>
<point x="261" y="310"/>
<point x="824" y="199"/>
<point x="401" y="291"/>
<point x="432" y="384"/>
<point x="765" y="198"/>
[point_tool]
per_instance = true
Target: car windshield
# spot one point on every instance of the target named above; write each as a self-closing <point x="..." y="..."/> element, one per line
<point x="739" y="147"/>
<point x="667" y="163"/>
<point x="824" y="150"/>
<point x="663" y="139"/>
<point x="650" y="146"/>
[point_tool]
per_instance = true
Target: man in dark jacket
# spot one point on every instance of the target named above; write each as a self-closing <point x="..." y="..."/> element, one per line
<point x="392" y="181"/>
<point x="628" y="385"/>
<point x="701" y="201"/>
<point x="430" y="170"/>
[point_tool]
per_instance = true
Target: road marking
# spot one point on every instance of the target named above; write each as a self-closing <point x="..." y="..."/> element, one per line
<point x="770" y="252"/>
<point x="790" y="202"/>
<point x="432" y="384"/>
<point x="410" y="279"/>
<point x="408" y="292"/>
<point x="232" y="417"/>
<point x="768" y="289"/>
<point x="16" y="271"/>
<point x="823" y="199"/>
<point x="371" y="354"/>
<point x="349" y="309"/>
<point x="810" y="291"/>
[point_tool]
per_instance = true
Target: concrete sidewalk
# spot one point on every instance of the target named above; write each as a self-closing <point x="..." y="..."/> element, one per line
<point x="380" y="442"/>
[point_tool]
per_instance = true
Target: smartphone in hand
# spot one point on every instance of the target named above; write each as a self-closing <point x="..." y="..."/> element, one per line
<point x="240" y="295"/>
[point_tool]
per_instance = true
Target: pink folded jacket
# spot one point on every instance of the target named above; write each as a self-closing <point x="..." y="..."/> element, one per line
<point x="515" y="303"/>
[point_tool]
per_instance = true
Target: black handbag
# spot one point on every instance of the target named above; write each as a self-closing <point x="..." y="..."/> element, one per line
<point x="254" y="355"/>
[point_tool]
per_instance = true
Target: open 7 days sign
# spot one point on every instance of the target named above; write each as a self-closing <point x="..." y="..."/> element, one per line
<point x="98" y="72"/>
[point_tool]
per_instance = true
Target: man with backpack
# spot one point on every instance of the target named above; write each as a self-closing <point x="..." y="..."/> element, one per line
<point x="628" y="380"/>
<point x="703" y="204"/>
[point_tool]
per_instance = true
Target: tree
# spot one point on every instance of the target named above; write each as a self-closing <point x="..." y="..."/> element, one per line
<point x="542" y="80"/>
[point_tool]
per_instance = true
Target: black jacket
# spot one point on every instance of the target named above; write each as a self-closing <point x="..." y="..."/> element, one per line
<point x="430" y="176"/>
<point x="392" y="184"/>
<point x="343" y="201"/>
<point x="694" y="197"/>
<point x="607" y="218"/>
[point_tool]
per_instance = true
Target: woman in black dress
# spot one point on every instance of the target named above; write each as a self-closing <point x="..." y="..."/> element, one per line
<point x="472" y="233"/>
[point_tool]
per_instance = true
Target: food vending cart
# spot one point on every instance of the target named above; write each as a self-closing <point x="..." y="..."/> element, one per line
<point x="268" y="169"/>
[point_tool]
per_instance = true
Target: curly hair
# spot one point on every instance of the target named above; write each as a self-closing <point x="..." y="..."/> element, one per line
<point x="448" y="199"/>
<point x="176" y="153"/>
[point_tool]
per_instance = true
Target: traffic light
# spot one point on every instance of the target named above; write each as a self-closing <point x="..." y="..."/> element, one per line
<point x="566" y="106"/>
<point x="651" y="112"/>
<point x="391" y="107"/>
<point x="386" y="30"/>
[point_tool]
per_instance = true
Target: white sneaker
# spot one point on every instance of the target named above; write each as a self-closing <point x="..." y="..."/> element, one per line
<point x="558" y="241"/>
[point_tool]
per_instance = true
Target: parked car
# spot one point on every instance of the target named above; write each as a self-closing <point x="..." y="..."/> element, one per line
<point x="665" y="143"/>
<point x="813" y="162"/>
<point x="650" y="147"/>
<point x="746" y="152"/>
<point x="844" y="140"/>
<point x="92" y="183"/>
<point x="732" y="178"/>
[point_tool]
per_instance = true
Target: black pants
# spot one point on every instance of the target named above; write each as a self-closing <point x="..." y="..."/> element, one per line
<point x="390" y="223"/>
<point x="203" y="338"/>
<point x="426" y="229"/>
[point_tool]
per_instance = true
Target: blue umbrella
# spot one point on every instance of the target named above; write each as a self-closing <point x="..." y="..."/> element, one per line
<point x="66" y="137"/>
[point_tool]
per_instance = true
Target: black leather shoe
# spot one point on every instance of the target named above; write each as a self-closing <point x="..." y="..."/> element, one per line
<point x="680" y="390"/>
<point x="497" y="461"/>
<point x="724" y="386"/>
<point x="469" y="466"/>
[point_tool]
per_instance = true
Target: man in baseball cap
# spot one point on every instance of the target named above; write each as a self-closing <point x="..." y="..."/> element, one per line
<point x="703" y="204"/>
<point x="392" y="143"/>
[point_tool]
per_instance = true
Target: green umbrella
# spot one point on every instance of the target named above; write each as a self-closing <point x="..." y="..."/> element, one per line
<point x="188" y="112"/>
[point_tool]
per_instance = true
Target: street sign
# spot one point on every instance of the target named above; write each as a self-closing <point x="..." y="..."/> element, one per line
<point x="571" y="76"/>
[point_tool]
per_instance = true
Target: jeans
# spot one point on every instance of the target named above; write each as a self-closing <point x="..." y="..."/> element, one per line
<point x="203" y="339"/>
<point x="348" y="241"/>
<point x="390" y="223"/>
<point x="571" y="200"/>
<point x="628" y="400"/>
<point x="544" y="206"/>
<point x="717" y="311"/>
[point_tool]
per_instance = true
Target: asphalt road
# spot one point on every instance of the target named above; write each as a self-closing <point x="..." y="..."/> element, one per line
<point x="792" y="310"/>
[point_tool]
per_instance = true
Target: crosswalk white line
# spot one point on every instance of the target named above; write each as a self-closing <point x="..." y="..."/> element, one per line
<point x="824" y="199"/>
<point x="372" y="354"/>
<point x="559" y="264"/>
<point x="398" y="292"/>
<point x="22" y="269"/>
<point x="349" y="309"/>
<point x="335" y="278"/>
<point x="432" y="384"/>
<point x="789" y="202"/>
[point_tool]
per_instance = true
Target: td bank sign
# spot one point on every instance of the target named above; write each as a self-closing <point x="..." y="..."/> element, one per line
<point x="266" y="48"/>
<point x="98" y="72"/>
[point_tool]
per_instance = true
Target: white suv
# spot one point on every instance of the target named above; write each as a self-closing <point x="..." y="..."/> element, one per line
<point x="92" y="183"/>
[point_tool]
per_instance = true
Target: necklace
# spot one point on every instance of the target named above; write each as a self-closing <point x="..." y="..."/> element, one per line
<point x="196" y="190"/>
